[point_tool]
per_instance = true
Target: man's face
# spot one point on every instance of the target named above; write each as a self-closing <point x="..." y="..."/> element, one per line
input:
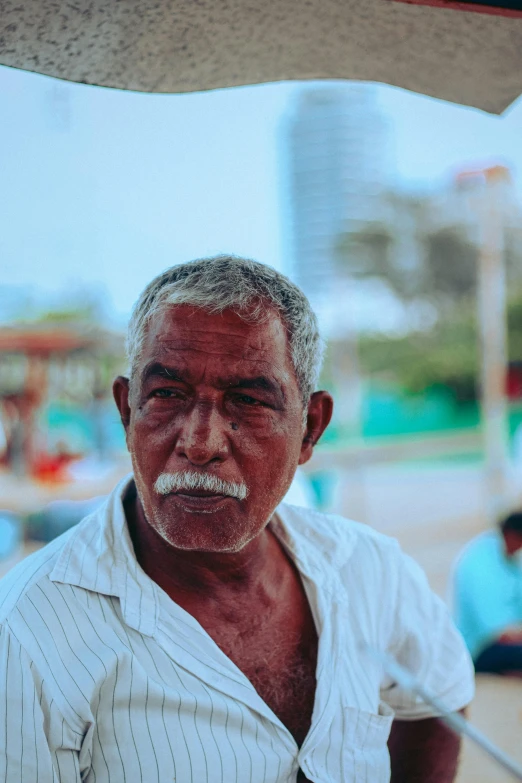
<point x="214" y="394"/>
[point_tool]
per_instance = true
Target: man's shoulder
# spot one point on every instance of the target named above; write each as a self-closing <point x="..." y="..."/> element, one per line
<point x="31" y="575"/>
<point x="335" y="524"/>
<point x="72" y="558"/>
<point x="333" y="531"/>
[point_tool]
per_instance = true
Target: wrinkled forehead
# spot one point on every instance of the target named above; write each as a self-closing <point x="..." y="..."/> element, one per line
<point x="185" y="330"/>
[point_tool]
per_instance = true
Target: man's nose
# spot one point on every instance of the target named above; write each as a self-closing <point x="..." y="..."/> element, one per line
<point x="202" y="436"/>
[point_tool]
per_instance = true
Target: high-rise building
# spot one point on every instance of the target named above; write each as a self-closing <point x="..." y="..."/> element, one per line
<point x="338" y="159"/>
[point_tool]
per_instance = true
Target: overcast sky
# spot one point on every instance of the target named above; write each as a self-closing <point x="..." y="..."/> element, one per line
<point x="102" y="188"/>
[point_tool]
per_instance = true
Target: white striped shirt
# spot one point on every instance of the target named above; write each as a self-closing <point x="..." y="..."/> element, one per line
<point x="105" y="679"/>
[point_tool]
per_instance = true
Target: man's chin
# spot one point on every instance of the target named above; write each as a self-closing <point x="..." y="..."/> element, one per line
<point x="203" y="530"/>
<point x="202" y="542"/>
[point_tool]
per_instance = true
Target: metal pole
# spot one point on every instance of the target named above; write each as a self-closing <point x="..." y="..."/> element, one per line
<point x="346" y="375"/>
<point x="493" y="336"/>
<point x="455" y="721"/>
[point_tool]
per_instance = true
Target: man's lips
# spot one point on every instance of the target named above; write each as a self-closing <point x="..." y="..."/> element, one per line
<point x="200" y="501"/>
<point x="199" y="493"/>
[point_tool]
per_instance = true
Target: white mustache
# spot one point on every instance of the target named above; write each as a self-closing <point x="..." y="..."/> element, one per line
<point x="189" y="479"/>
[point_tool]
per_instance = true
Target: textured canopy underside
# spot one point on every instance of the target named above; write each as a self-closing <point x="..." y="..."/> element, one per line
<point x="178" y="46"/>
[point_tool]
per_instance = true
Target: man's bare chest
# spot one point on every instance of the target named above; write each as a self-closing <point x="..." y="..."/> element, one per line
<point x="280" y="662"/>
<point x="269" y="634"/>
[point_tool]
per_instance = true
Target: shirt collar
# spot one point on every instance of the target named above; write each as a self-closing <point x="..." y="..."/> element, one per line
<point x="99" y="555"/>
<point x="320" y="544"/>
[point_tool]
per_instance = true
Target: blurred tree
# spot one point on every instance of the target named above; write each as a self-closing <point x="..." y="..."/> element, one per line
<point x="447" y="354"/>
<point x="450" y="265"/>
<point x="425" y="249"/>
<point x="442" y="271"/>
<point x="419" y="254"/>
<point x="514" y="319"/>
<point x="367" y="251"/>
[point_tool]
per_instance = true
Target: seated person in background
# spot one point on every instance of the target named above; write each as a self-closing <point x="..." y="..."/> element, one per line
<point x="487" y="598"/>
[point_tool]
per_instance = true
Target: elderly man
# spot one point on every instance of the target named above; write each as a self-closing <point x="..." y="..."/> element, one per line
<point x="197" y="630"/>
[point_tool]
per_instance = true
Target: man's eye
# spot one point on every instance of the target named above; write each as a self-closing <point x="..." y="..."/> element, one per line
<point x="165" y="393"/>
<point x="245" y="399"/>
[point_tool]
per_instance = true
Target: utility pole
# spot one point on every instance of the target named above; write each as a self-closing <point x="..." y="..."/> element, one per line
<point x="493" y="338"/>
<point x="346" y="376"/>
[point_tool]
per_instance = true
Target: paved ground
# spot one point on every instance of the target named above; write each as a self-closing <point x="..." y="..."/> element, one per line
<point x="497" y="712"/>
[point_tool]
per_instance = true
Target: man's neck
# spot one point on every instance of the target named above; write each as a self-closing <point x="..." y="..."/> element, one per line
<point x="205" y="573"/>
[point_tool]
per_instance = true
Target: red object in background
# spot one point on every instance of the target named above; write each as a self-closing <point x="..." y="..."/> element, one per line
<point x="514" y="381"/>
<point x="52" y="468"/>
<point x="503" y="8"/>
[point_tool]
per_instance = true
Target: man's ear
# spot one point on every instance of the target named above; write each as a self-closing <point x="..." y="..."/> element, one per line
<point x="320" y="409"/>
<point x="120" y="391"/>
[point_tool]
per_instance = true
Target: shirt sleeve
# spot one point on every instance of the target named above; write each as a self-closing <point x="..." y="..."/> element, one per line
<point x="426" y="643"/>
<point x="36" y="742"/>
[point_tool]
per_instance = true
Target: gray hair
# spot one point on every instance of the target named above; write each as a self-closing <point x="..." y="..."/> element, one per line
<point x="250" y="289"/>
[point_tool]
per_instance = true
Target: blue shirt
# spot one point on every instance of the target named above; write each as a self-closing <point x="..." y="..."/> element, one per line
<point x="487" y="591"/>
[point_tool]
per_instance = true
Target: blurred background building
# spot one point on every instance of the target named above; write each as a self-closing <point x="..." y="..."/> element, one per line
<point x="338" y="158"/>
<point x="339" y="171"/>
